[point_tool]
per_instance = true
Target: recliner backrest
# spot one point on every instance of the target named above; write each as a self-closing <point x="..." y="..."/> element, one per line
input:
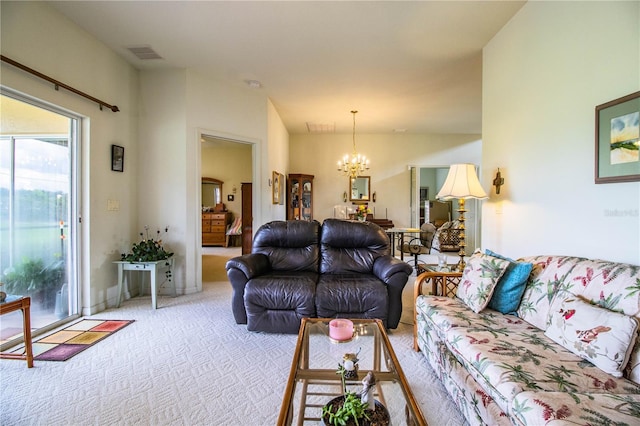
<point x="351" y="247"/>
<point x="290" y="245"/>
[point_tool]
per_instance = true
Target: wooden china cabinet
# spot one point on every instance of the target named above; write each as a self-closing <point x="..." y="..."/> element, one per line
<point x="300" y="197"/>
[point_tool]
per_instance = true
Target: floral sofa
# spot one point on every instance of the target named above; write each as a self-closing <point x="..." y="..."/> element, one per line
<point x="557" y="348"/>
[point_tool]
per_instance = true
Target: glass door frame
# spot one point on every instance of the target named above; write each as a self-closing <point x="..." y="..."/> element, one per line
<point x="73" y="210"/>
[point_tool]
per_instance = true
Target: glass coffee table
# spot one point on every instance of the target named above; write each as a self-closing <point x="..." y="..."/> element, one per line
<point x="313" y="380"/>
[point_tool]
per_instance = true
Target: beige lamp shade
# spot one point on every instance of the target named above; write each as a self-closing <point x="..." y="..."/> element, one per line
<point x="461" y="183"/>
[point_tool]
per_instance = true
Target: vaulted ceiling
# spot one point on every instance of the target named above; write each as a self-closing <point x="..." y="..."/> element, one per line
<point x="412" y="66"/>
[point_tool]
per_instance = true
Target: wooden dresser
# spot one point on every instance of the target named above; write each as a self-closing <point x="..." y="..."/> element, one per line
<point x="214" y="228"/>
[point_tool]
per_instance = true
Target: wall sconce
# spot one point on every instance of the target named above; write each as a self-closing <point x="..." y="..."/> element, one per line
<point x="234" y="189"/>
<point x="498" y="181"/>
<point x="373" y="197"/>
<point x="344" y="197"/>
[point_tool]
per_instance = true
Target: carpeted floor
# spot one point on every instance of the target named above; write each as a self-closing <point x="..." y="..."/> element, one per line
<point x="213" y="267"/>
<point x="186" y="363"/>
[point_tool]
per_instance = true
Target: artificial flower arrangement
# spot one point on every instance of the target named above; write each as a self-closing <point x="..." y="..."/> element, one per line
<point x="147" y="250"/>
<point x="362" y="211"/>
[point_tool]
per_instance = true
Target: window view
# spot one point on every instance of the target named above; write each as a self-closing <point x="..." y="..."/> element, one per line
<point x="35" y="211"/>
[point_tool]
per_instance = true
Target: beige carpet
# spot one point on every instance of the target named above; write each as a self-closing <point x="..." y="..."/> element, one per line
<point x="213" y="268"/>
<point x="186" y="363"/>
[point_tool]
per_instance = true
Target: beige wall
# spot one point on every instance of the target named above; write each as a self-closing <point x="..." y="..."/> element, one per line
<point x="544" y="73"/>
<point x="278" y="160"/>
<point x="19" y="117"/>
<point x="37" y="36"/>
<point x="230" y="163"/>
<point x="162" y="116"/>
<point x="391" y="156"/>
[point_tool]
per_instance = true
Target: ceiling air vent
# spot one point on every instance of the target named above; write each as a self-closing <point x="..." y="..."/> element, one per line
<point x="321" y="127"/>
<point x="144" y="52"/>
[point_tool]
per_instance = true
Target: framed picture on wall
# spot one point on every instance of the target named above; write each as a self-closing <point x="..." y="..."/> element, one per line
<point x="283" y="184"/>
<point x="618" y="140"/>
<point x="275" y="187"/>
<point x="117" y="158"/>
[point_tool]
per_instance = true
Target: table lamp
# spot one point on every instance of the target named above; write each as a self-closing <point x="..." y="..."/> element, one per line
<point x="461" y="183"/>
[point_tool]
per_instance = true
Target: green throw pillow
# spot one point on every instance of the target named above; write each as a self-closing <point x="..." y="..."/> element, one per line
<point x="510" y="288"/>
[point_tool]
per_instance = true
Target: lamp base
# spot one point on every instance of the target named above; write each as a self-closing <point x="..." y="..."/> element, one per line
<point x="461" y="236"/>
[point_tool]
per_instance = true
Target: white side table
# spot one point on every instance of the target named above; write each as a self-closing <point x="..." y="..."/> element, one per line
<point x="153" y="268"/>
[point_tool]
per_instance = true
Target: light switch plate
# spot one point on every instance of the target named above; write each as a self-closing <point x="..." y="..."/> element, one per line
<point x="113" y="205"/>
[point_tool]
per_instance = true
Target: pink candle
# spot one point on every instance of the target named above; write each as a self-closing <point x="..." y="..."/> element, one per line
<point x="340" y="329"/>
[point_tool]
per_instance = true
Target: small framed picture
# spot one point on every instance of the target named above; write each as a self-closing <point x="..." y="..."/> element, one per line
<point x="275" y="189"/>
<point x="618" y="140"/>
<point x="283" y="184"/>
<point x="230" y="197"/>
<point x="117" y="158"/>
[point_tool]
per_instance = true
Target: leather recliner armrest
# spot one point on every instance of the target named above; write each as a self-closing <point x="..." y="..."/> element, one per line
<point x="385" y="267"/>
<point x="252" y="265"/>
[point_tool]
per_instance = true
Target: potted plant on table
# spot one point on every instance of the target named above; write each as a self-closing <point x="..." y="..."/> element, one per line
<point x="351" y="408"/>
<point x="147" y="250"/>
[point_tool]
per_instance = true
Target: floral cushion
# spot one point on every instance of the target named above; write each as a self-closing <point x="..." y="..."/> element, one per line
<point x="561" y="408"/>
<point x="602" y="337"/>
<point x="546" y="279"/>
<point x="479" y="279"/>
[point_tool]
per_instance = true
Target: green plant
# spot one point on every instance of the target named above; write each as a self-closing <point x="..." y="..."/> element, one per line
<point x="32" y="275"/>
<point x="340" y="411"/>
<point x="352" y="408"/>
<point x="147" y="250"/>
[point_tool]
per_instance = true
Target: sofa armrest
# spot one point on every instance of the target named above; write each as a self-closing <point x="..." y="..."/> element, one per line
<point x="251" y="265"/>
<point x="442" y="284"/>
<point x="394" y="273"/>
<point x="384" y="267"/>
<point x="239" y="271"/>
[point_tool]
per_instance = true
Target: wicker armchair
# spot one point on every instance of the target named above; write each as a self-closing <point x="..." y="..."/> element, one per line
<point x="447" y="237"/>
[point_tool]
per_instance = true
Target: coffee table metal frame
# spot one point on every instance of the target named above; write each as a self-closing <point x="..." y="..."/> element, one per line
<point x="309" y="380"/>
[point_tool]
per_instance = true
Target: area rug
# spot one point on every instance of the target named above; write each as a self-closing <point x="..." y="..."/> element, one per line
<point x="75" y="338"/>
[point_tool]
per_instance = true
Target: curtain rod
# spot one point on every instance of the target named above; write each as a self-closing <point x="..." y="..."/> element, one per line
<point x="58" y="84"/>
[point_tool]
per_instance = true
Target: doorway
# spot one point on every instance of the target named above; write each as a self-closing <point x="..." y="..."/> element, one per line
<point x="426" y="181"/>
<point x="229" y="161"/>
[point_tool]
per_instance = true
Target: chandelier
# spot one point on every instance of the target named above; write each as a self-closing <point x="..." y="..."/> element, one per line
<point x="358" y="163"/>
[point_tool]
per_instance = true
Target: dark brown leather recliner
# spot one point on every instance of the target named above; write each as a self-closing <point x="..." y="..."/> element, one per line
<point x="303" y="269"/>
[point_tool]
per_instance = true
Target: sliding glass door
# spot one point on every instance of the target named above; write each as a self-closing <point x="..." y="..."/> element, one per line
<point x="37" y="236"/>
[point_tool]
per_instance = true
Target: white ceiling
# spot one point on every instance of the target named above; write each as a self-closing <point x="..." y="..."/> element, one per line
<point x="413" y="65"/>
